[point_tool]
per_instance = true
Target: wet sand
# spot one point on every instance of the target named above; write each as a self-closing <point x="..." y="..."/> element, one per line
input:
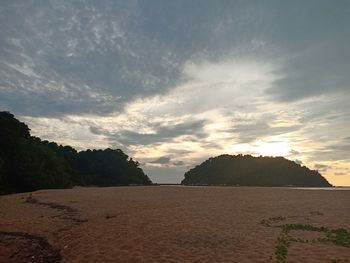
<point x="173" y="224"/>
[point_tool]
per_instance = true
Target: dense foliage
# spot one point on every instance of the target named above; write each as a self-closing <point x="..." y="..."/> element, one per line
<point x="27" y="163"/>
<point x="253" y="171"/>
<point x="108" y="167"/>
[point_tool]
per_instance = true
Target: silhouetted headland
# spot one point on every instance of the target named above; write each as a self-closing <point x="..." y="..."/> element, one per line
<point x="27" y="163"/>
<point x="246" y="170"/>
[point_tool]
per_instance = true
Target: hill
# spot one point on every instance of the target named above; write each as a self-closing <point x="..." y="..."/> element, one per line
<point x="27" y="163"/>
<point x="247" y="170"/>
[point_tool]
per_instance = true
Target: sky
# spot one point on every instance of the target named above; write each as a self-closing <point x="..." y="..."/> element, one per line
<point x="172" y="83"/>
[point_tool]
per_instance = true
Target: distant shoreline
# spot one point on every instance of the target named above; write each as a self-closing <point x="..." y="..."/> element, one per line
<point x="333" y="188"/>
<point x="239" y="186"/>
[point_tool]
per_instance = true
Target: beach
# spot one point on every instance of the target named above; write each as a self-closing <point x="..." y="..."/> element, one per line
<point x="174" y="224"/>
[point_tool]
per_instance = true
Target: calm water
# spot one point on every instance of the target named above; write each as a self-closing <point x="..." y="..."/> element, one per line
<point x="324" y="188"/>
<point x="339" y="188"/>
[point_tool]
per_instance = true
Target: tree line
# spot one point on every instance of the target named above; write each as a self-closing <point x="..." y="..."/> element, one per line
<point x="28" y="163"/>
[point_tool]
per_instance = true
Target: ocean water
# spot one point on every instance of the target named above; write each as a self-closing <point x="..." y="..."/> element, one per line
<point x="339" y="188"/>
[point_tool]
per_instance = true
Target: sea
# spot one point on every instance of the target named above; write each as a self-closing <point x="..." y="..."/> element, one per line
<point x="337" y="188"/>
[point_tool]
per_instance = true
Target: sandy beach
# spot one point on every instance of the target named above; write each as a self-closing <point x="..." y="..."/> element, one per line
<point x="174" y="224"/>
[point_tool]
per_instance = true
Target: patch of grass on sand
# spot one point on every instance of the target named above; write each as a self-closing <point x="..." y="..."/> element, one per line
<point x="282" y="248"/>
<point x="339" y="237"/>
<point x="289" y="227"/>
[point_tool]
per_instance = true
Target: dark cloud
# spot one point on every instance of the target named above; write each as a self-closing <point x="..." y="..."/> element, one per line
<point x="178" y="163"/>
<point x="321" y="71"/>
<point x="321" y="167"/>
<point x="99" y="45"/>
<point x="166" y="161"/>
<point x="317" y="55"/>
<point x="192" y="129"/>
<point x="162" y="160"/>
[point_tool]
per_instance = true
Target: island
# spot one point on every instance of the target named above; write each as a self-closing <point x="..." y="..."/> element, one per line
<point x="247" y="170"/>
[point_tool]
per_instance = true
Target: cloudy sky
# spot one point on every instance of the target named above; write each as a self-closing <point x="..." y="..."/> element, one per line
<point x="175" y="82"/>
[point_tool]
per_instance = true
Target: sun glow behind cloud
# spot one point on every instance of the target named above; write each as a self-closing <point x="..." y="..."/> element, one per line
<point x="280" y="148"/>
<point x="262" y="147"/>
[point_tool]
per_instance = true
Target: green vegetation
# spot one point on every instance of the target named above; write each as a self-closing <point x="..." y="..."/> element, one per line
<point x="282" y="249"/>
<point x="246" y="170"/>
<point x="338" y="237"/>
<point x="27" y="163"/>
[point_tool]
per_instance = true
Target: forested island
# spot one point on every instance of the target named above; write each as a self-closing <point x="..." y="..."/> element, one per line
<point x="27" y="163"/>
<point x="246" y="170"/>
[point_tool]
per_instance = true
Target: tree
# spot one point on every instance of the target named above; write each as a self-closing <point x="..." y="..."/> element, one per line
<point x="109" y="167"/>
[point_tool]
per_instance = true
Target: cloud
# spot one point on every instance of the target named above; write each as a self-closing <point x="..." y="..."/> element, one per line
<point x="193" y="129"/>
<point x="294" y="152"/>
<point x="315" y="57"/>
<point x="166" y="161"/>
<point x="179" y="163"/>
<point x="336" y="150"/>
<point x="67" y="58"/>
<point x="339" y="173"/>
<point x="321" y="167"/>
<point x="162" y="160"/>
<point x="73" y="46"/>
<point x="75" y="58"/>
<point x="343" y="146"/>
<point x="253" y="130"/>
<point x="299" y="81"/>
